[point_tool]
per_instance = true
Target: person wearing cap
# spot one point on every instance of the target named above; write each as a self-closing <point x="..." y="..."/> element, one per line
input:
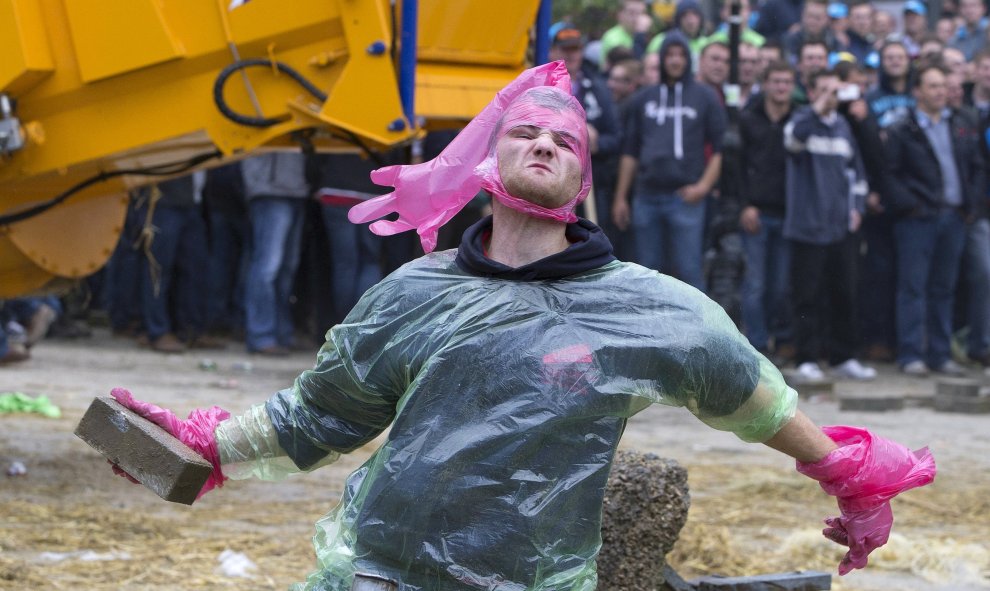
<point x="505" y="372"/>
<point x="604" y="129"/>
<point x="915" y="26"/>
<point x="971" y="37"/>
<point x="838" y="24"/>
<point x="630" y="31"/>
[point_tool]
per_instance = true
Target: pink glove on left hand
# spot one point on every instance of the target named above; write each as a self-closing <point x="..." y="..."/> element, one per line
<point x="196" y="431"/>
<point x="864" y="473"/>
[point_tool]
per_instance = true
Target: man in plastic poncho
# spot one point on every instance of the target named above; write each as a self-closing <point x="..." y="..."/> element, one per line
<point x="507" y="370"/>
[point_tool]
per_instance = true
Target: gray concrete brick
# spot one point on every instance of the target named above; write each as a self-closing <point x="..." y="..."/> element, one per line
<point x="796" y="581"/>
<point x="144" y="450"/>
<point x="871" y="403"/>
<point x="977" y="405"/>
<point x="805" y="389"/>
<point x="957" y="387"/>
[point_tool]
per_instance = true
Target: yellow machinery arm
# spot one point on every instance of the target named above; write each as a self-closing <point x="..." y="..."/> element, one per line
<point x="100" y="96"/>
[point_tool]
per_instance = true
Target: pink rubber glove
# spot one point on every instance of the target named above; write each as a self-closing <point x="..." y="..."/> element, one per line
<point x="429" y="194"/>
<point x="196" y="431"/>
<point x="864" y="473"/>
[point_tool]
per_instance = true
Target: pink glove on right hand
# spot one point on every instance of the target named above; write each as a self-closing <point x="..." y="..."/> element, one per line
<point x="429" y="194"/>
<point x="864" y="473"/>
<point x="196" y="431"/>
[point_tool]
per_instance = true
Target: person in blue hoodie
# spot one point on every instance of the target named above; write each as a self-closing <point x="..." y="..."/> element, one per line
<point x="672" y="149"/>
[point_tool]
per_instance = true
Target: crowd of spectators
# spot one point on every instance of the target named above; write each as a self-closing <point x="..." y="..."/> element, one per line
<point x="841" y="182"/>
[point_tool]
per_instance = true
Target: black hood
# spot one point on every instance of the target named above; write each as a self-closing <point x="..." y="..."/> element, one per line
<point x="589" y="249"/>
<point x="672" y="38"/>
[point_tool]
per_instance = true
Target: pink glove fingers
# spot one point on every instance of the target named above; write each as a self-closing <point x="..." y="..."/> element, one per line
<point x="429" y="194"/>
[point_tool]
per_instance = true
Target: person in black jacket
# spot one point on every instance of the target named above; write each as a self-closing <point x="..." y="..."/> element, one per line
<point x="763" y="197"/>
<point x="934" y="177"/>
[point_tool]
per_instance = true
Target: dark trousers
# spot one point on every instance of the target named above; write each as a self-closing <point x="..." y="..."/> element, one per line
<point x="823" y="280"/>
<point x="877" y="282"/>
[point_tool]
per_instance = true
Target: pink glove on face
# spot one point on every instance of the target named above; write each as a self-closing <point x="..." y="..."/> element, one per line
<point x="864" y="473"/>
<point x="429" y="194"/>
<point x="196" y="431"/>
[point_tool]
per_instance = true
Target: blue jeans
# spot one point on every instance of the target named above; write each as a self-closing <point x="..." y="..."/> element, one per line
<point x="978" y="273"/>
<point x="122" y="279"/>
<point x="765" y="284"/>
<point x="276" y="242"/>
<point x="179" y="248"/>
<point x="355" y="259"/>
<point x="929" y="254"/>
<point x="669" y="234"/>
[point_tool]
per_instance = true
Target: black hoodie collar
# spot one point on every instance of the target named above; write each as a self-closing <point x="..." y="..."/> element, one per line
<point x="589" y="249"/>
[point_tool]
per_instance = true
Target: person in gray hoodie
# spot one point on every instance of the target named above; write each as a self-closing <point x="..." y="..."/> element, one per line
<point x="276" y="188"/>
<point x="672" y="150"/>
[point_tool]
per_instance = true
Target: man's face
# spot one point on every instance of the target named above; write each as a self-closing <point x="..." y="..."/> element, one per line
<point x="767" y="55"/>
<point x="691" y="23"/>
<point x="674" y="63"/>
<point x="814" y="18"/>
<point x="749" y="64"/>
<point x="630" y="13"/>
<point x="540" y="165"/>
<point x="651" y="69"/>
<point x="573" y="57"/>
<point x="883" y="24"/>
<point x="894" y="61"/>
<point x="930" y="93"/>
<point x="713" y="67"/>
<point x="954" y="94"/>
<point x="813" y="59"/>
<point x="972" y="11"/>
<point x="825" y="85"/>
<point x="954" y="60"/>
<point x="779" y="86"/>
<point x="860" y="19"/>
<point x="915" y="24"/>
<point x="621" y="82"/>
<point x="945" y="29"/>
<point x="982" y="74"/>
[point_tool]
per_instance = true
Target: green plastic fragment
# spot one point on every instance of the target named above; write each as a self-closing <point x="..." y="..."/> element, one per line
<point x="18" y="402"/>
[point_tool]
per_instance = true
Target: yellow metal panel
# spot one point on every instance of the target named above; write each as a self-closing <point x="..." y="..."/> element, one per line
<point x="116" y="36"/>
<point x="75" y="238"/>
<point x="25" y="58"/>
<point x="445" y="92"/>
<point x="489" y="33"/>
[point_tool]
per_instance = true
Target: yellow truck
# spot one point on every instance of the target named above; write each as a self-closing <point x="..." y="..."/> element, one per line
<point x="98" y="97"/>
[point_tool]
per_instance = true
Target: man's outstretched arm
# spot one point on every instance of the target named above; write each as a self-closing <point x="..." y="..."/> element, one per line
<point x="801" y="439"/>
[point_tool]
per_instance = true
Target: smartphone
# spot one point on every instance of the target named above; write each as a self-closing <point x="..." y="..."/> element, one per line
<point x="848" y="93"/>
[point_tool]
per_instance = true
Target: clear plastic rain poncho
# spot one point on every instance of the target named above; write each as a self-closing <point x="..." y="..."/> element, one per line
<point x="506" y="401"/>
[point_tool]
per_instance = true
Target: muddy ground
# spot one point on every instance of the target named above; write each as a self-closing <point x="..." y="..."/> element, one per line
<point x="69" y="523"/>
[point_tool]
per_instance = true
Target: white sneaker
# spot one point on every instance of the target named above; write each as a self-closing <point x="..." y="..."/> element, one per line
<point x="854" y="370"/>
<point x="915" y="368"/>
<point x="810" y="372"/>
<point x="951" y="368"/>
